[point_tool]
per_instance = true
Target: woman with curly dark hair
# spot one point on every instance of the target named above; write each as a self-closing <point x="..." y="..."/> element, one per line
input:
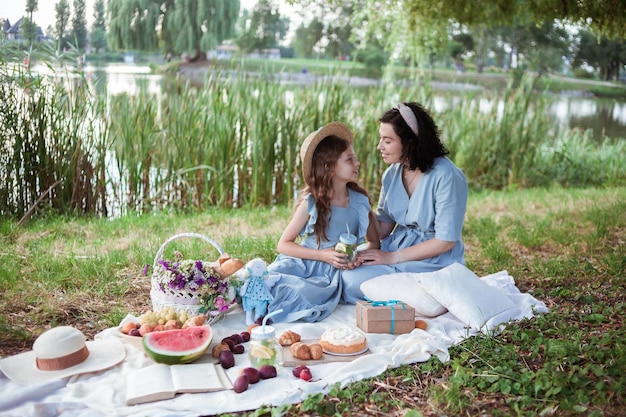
<point x="422" y="203"/>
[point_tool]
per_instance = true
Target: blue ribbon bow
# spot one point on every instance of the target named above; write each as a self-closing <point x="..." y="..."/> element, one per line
<point x="388" y="303"/>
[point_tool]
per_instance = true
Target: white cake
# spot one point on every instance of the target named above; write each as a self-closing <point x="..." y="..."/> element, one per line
<point x="343" y="340"/>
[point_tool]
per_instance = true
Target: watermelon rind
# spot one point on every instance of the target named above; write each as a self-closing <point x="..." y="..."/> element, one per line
<point x="177" y="346"/>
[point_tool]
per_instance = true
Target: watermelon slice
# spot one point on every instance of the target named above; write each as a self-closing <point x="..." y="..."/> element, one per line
<point x="177" y="346"/>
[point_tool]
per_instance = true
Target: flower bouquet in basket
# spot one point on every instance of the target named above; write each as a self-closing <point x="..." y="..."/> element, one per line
<point x="195" y="286"/>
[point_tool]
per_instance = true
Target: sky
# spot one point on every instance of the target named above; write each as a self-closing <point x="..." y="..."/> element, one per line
<point x="45" y="15"/>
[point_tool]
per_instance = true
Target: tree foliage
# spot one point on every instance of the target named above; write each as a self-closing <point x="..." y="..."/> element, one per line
<point x="606" y="56"/>
<point x="264" y="28"/>
<point x="62" y="20"/>
<point x="79" y="25"/>
<point x="178" y="26"/>
<point x="28" y="27"/>
<point x="422" y="26"/>
<point x="98" y="28"/>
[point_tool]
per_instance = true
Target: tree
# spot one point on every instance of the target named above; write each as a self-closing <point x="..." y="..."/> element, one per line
<point x="423" y="26"/>
<point x="79" y="25"/>
<point x="133" y="24"/>
<point x="62" y="11"/>
<point x="339" y="31"/>
<point x="604" y="55"/>
<point x="98" y="29"/>
<point x="178" y="26"/>
<point x="28" y="27"/>
<point x="307" y="37"/>
<point x="543" y="46"/>
<point x="266" y="27"/>
<point x="326" y="28"/>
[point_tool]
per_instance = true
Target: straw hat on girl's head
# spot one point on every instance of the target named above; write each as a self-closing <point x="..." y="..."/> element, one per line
<point x="61" y="352"/>
<point x="310" y="143"/>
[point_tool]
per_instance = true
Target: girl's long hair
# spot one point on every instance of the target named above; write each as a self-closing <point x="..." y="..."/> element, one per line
<point x="325" y="158"/>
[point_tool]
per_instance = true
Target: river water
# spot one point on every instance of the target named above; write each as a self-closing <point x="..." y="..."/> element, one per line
<point x="604" y="117"/>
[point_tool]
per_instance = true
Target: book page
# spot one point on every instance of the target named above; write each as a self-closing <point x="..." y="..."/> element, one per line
<point x="201" y="377"/>
<point x="149" y="384"/>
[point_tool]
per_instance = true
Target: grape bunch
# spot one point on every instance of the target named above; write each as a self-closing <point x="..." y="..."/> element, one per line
<point x="163" y="316"/>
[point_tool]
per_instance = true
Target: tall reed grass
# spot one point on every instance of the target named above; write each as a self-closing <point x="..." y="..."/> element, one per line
<point x="234" y="142"/>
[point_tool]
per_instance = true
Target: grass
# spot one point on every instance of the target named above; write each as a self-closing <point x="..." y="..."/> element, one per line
<point x="491" y="78"/>
<point x="565" y="246"/>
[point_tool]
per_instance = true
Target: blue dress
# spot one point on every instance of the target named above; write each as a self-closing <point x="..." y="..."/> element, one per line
<point x="435" y="209"/>
<point x="309" y="290"/>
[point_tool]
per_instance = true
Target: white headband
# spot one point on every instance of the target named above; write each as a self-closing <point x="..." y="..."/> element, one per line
<point x="408" y="116"/>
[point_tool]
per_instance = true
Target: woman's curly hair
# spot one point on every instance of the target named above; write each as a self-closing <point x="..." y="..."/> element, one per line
<point x="418" y="151"/>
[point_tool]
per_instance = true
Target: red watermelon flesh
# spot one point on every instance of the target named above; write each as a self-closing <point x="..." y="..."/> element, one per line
<point x="178" y="346"/>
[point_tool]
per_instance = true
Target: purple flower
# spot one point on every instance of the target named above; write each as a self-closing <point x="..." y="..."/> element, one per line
<point x="220" y="303"/>
<point x="145" y="269"/>
<point x="164" y="264"/>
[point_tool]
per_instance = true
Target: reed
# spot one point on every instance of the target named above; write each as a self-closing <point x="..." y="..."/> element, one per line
<point x="234" y="142"/>
<point x="50" y="147"/>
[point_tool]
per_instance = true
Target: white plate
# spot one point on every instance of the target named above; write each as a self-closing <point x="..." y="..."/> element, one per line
<point x="346" y="354"/>
<point x="135" y="341"/>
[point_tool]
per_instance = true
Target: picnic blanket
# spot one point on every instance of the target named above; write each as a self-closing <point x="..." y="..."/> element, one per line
<point x="103" y="393"/>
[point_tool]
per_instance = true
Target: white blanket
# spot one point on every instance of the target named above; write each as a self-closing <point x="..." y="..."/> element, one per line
<point x="103" y="393"/>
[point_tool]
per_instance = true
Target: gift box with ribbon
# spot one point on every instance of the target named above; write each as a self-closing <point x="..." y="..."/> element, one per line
<point x="391" y="316"/>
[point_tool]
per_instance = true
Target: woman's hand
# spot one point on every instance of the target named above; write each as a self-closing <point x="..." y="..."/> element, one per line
<point x="424" y="250"/>
<point x="375" y="257"/>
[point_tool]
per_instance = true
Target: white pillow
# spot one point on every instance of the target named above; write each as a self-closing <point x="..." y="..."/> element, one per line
<point x="467" y="297"/>
<point x="403" y="286"/>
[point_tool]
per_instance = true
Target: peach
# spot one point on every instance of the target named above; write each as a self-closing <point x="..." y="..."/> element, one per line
<point x="145" y="329"/>
<point x="128" y="326"/>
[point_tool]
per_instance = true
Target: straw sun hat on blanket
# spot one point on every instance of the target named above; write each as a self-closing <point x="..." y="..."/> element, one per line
<point x="310" y="144"/>
<point x="61" y="352"/>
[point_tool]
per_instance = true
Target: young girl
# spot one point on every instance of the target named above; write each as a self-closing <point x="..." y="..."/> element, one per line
<point x="309" y="273"/>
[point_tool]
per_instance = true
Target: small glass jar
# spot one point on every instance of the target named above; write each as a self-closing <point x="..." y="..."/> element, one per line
<point x="347" y="244"/>
<point x="264" y="347"/>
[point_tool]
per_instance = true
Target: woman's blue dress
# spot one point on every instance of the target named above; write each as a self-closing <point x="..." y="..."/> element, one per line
<point x="435" y="209"/>
<point x="309" y="290"/>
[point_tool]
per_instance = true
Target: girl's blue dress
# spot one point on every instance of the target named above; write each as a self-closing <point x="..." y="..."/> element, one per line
<point x="310" y="290"/>
<point x="435" y="209"/>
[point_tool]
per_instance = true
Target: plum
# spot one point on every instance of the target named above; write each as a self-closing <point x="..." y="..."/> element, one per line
<point x="241" y="383"/>
<point x="253" y="374"/>
<point x="296" y="371"/>
<point x="227" y="359"/>
<point x="305" y="374"/>
<point x="267" y="371"/>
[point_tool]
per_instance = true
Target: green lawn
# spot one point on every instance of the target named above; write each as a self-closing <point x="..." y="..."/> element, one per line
<point x="565" y="246"/>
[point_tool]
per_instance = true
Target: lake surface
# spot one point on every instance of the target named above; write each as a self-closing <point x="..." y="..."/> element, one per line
<point x="604" y="117"/>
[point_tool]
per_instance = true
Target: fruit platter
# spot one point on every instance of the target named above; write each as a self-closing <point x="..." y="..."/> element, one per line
<point x="162" y="320"/>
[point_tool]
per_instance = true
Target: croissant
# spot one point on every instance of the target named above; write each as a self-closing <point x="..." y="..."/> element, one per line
<point x="316" y="351"/>
<point x="300" y="350"/>
<point x="288" y="338"/>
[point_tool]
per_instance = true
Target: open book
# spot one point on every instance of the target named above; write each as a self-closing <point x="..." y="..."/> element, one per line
<point x="160" y="382"/>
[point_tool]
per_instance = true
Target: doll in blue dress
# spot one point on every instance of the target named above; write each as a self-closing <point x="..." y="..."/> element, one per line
<point x="308" y="269"/>
<point x="255" y="292"/>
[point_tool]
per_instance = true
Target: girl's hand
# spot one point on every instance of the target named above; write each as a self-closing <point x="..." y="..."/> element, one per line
<point x="334" y="258"/>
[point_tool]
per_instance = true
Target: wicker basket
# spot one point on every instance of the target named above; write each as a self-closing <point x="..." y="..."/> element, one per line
<point x="185" y="299"/>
